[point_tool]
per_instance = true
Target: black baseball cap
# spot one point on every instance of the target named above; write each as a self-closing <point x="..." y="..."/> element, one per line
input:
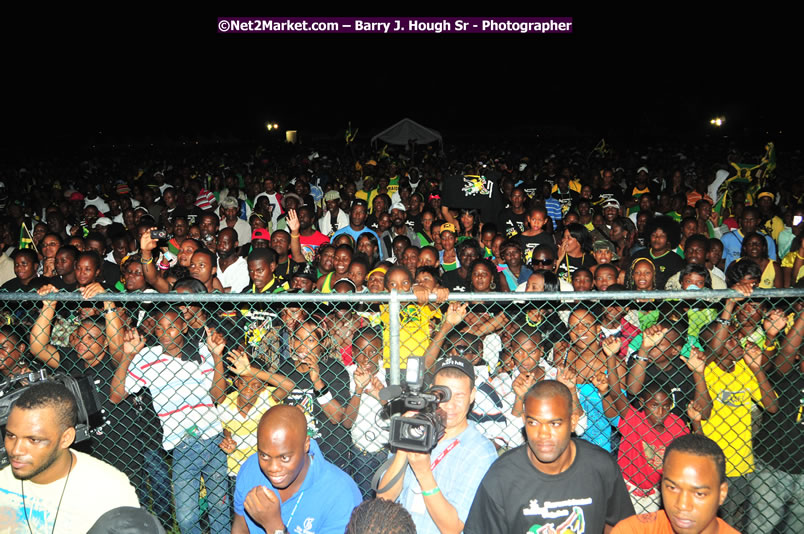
<point x="456" y="362"/>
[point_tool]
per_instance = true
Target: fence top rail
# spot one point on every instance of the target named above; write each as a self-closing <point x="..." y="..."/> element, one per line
<point x="705" y="294"/>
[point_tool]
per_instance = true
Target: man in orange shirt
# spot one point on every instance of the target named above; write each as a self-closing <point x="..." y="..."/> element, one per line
<point x="693" y="488"/>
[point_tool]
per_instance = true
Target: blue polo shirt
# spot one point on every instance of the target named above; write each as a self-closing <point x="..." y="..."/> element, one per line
<point x="323" y="504"/>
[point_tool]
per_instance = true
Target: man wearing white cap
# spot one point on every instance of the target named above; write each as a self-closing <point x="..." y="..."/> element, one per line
<point x="334" y="218"/>
<point x="398" y="227"/>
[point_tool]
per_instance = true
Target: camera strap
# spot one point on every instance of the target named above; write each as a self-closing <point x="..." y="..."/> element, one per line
<point x="375" y="480"/>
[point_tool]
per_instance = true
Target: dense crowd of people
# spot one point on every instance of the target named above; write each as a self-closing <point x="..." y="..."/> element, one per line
<point x="184" y="384"/>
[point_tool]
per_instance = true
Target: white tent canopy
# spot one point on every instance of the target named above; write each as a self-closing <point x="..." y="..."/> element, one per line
<point x="406" y="131"/>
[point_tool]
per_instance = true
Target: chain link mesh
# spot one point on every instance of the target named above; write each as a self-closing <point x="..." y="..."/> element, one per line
<point x="643" y="367"/>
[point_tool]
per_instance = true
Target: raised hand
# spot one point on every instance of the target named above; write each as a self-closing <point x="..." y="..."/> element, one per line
<point x="612" y="345"/>
<point x="422" y="295"/>
<point x="91" y="290"/>
<point x="522" y="383"/>
<point x="132" y="342"/>
<point x="601" y="382"/>
<point x="215" y="342"/>
<point x="775" y="322"/>
<point x="694" y="413"/>
<point x="46" y="290"/>
<point x="456" y="313"/>
<point x="146" y="243"/>
<point x="652" y="336"/>
<point x="535" y="315"/>
<point x="442" y="294"/>
<point x="49" y="267"/>
<point x="292" y="220"/>
<point x="743" y="288"/>
<point x="310" y="359"/>
<point x="753" y="356"/>
<point x="568" y="377"/>
<point x="239" y="363"/>
<point x="697" y="361"/>
<point x="362" y="379"/>
<point x="562" y="250"/>
<point x="375" y="387"/>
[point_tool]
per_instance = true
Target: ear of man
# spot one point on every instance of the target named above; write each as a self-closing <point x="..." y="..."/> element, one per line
<point x="67" y="438"/>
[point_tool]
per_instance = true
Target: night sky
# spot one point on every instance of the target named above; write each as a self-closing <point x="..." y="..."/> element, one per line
<point x="70" y="81"/>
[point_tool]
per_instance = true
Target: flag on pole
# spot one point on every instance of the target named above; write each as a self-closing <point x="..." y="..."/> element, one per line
<point x="26" y="240"/>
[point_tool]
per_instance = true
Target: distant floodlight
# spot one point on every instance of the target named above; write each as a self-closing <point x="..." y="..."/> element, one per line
<point x="717" y="121"/>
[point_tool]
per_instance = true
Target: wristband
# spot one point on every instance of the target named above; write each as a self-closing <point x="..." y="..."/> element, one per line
<point x="325" y="398"/>
<point x="640" y="358"/>
<point x="773" y="346"/>
<point x="724" y="322"/>
<point x="294" y="235"/>
<point x="431" y="492"/>
<point x="799" y="256"/>
<point x="324" y="390"/>
<point x="144" y="262"/>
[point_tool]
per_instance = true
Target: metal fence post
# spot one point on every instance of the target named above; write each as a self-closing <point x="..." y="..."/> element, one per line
<point x="393" y="311"/>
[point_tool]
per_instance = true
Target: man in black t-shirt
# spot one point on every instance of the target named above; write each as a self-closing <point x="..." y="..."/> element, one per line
<point x="458" y="279"/>
<point x="608" y="189"/>
<point x="553" y="481"/>
<point x="321" y="391"/>
<point x="511" y="220"/>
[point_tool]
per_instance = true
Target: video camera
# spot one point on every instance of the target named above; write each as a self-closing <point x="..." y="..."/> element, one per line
<point x="421" y="431"/>
<point x="82" y="388"/>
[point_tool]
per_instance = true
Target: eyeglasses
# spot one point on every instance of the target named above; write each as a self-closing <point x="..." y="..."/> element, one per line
<point x="51" y="244"/>
<point x="546" y="261"/>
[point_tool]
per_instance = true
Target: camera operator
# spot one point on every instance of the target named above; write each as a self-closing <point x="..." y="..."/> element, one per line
<point x="438" y="488"/>
<point x="94" y="349"/>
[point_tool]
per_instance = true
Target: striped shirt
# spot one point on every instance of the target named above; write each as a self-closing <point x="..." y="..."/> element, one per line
<point x="180" y="390"/>
<point x="553" y="207"/>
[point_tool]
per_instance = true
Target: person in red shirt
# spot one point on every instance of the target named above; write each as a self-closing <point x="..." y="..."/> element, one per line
<point x="645" y="435"/>
<point x="309" y="238"/>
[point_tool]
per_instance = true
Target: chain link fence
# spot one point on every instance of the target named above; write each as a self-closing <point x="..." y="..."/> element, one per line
<point x="644" y="367"/>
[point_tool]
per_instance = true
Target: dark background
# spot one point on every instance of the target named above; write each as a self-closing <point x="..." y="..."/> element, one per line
<point x="144" y="75"/>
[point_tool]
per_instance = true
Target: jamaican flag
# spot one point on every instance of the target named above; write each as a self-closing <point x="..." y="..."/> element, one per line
<point x="25" y="237"/>
<point x="769" y="160"/>
<point x="601" y="149"/>
<point x="755" y="175"/>
<point x="350" y="135"/>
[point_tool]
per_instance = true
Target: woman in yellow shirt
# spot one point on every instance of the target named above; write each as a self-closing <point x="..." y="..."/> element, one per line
<point x="755" y="248"/>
